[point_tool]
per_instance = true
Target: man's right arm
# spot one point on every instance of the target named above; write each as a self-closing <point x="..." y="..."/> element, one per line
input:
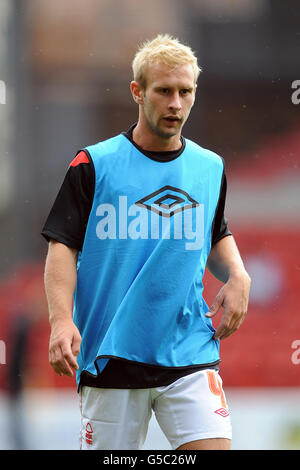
<point x="60" y="281"/>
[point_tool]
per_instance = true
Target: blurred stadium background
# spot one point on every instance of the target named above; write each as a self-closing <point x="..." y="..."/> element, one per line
<point x="65" y="73"/>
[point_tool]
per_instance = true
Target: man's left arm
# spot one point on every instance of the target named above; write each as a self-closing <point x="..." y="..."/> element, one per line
<point x="226" y="264"/>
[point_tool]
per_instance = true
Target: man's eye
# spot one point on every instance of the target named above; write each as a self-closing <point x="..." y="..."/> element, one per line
<point x="165" y="90"/>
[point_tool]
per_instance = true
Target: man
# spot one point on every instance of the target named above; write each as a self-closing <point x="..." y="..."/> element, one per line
<point x="137" y="219"/>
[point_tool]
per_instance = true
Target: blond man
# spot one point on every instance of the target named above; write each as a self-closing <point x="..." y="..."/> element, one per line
<point x="136" y="222"/>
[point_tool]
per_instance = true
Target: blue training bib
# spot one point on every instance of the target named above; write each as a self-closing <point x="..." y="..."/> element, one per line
<point x="139" y="276"/>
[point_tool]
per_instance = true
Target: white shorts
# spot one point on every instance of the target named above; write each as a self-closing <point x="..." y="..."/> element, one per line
<point x="191" y="408"/>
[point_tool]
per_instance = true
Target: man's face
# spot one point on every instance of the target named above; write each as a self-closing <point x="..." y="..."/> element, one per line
<point x="168" y="98"/>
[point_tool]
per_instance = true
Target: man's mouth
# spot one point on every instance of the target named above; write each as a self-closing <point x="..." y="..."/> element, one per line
<point x="171" y="119"/>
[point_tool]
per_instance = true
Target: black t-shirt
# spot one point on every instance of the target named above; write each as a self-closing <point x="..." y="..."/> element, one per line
<point x="67" y="223"/>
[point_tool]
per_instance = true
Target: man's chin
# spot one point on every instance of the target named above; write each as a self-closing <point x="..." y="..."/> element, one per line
<point x="167" y="133"/>
<point x="164" y="132"/>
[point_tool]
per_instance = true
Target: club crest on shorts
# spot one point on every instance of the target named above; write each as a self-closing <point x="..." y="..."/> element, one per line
<point x="222" y="412"/>
<point x="89" y="434"/>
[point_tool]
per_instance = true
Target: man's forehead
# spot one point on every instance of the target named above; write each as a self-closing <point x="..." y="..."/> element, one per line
<point x="160" y="72"/>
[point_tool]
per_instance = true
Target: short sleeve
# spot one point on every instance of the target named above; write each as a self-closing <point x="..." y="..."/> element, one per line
<point x="68" y="217"/>
<point x="220" y="224"/>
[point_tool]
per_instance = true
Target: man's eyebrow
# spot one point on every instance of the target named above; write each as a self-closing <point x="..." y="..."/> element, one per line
<point x="160" y="87"/>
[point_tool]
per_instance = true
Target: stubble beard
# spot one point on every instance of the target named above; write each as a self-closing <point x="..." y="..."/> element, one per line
<point x="159" y="132"/>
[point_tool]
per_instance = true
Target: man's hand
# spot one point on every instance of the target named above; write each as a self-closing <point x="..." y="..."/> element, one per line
<point x="64" y="346"/>
<point x="233" y="297"/>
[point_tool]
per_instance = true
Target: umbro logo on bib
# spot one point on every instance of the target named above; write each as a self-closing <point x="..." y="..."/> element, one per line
<point x="168" y="213"/>
<point x="168" y="201"/>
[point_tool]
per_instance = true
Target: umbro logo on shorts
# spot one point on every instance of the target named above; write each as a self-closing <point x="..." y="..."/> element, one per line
<point x="222" y="412"/>
<point x="167" y="201"/>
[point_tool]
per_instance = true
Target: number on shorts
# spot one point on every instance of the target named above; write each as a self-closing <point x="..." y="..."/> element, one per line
<point x="215" y="386"/>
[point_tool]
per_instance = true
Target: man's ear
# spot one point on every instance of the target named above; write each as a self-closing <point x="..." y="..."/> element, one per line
<point x="194" y="94"/>
<point x="137" y="92"/>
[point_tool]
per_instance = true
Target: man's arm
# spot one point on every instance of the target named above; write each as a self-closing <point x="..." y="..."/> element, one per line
<point x="60" y="281"/>
<point x="225" y="263"/>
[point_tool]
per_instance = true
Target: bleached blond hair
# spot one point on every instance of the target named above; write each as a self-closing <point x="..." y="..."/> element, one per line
<point x="163" y="49"/>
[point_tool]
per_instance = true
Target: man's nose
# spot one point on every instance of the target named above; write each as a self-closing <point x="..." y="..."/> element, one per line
<point x="175" y="103"/>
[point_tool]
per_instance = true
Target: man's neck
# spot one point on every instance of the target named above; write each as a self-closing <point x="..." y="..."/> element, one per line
<point x="149" y="140"/>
